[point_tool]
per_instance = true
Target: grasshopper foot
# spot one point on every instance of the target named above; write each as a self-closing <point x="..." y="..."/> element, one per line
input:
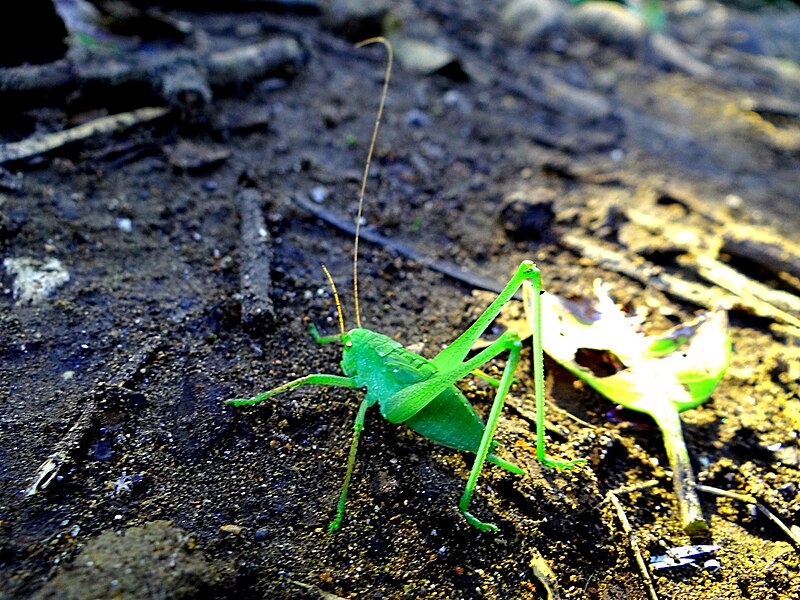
<point x="565" y="465"/>
<point x="480" y="525"/>
<point x="248" y="401"/>
<point x="335" y="524"/>
<point x="240" y="401"/>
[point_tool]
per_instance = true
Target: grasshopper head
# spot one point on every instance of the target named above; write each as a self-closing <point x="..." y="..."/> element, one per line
<point x="351" y="352"/>
<point x="364" y="351"/>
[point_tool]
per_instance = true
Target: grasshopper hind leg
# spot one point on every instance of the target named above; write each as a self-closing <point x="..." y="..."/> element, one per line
<point x="510" y="341"/>
<point x="533" y="306"/>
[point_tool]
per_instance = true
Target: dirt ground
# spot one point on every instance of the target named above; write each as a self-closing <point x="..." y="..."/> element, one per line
<point x="193" y="268"/>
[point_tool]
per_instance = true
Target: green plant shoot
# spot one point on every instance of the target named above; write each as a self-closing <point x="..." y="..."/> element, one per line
<point x="418" y="392"/>
<point x="661" y="376"/>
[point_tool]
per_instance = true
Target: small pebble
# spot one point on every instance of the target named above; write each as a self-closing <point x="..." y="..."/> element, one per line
<point x="609" y="23"/>
<point x="529" y="20"/>
<point x="261" y="534"/>
<point x="124" y="224"/>
<point x="733" y="202"/>
<point x="417" y="118"/>
<point x="457" y="100"/>
<point x="234" y="529"/>
<point x="788" y="490"/>
<point x="318" y="194"/>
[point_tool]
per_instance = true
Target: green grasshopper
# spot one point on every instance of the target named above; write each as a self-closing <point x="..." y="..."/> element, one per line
<point x="418" y="392"/>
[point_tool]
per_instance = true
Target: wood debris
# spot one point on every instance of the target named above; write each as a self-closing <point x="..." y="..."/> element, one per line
<point x="39" y="144"/>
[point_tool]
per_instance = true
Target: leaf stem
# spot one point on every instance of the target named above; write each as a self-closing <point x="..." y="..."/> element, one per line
<point x="694" y="524"/>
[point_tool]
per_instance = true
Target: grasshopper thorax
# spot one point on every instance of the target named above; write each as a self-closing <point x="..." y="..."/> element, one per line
<point x="380" y="364"/>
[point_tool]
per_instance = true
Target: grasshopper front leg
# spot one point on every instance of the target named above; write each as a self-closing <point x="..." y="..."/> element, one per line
<point x="315" y="379"/>
<point x="358" y="427"/>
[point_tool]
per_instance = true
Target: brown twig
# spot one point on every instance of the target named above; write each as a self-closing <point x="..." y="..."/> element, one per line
<point x="639" y="269"/>
<point x="631" y="535"/>
<point x="748" y="499"/>
<point x="67" y="446"/>
<point x="183" y="79"/>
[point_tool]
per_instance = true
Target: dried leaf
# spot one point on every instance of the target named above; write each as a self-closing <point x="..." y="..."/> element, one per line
<point x="658" y="375"/>
<point x="682" y="366"/>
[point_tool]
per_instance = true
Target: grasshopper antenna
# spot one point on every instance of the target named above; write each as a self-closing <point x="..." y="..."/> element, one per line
<point x="390" y="54"/>
<point x="335" y="298"/>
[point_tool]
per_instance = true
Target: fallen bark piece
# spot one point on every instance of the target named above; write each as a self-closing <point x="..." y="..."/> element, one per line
<point x="254" y="62"/>
<point x="30" y="78"/>
<point x="763" y="300"/>
<point x="639" y="269"/>
<point x="256" y="262"/>
<point x="183" y="78"/>
<point x="39" y="144"/>
<point x="776" y="255"/>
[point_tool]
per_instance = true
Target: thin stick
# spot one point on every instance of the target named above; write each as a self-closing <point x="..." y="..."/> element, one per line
<point x="124" y="379"/>
<point x="748" y="499"/>
<point x="38" y="144"/>
<point x="629" y="489"/>
<point x="255" y="279"/>
<point x="626" y="527"/>
<point x="449" y="269"/>
<point x="388" y="74"/>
